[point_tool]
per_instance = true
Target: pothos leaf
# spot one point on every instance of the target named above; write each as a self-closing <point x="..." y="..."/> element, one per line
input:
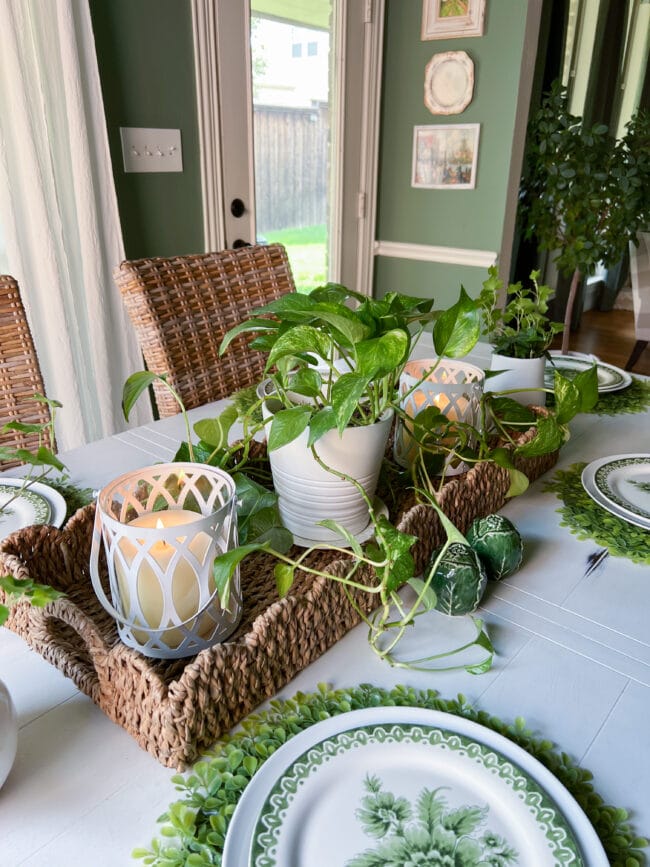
<point x="284" y="577"/>
<point x="518" y="483"/>
<point x="214" y="431"/>
<point x="287" y="425"/>
<point x="457" y="329"/>
<point x="224" y="567"/>
<point x="135" y="385"/>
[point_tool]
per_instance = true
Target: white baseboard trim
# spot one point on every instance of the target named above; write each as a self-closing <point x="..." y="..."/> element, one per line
<point x="442" y="255"/>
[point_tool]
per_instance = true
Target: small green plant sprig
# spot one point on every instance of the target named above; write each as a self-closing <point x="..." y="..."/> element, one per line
<point x="43" y="459"/>
<point x="521" y="328"/>
<point x="18" y="589"/>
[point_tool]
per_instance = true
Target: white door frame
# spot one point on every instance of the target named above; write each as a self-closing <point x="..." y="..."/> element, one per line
<point x="220" y="31"/>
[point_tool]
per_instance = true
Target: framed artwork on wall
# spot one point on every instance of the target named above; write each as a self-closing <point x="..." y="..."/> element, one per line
<point x="448" y="19"/>
<point x="445" y="157"/>
<point x="449" y="82"/>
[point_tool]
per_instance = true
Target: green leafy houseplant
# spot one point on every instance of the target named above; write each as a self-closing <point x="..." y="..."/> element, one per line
<point x="331" y="365"/>
<point x="584" y="193"/>
<point x="521" y="328"/>
<point x="305" y="338"/>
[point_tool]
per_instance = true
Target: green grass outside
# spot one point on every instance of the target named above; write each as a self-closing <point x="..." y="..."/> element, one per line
<point x="307" y="251"/>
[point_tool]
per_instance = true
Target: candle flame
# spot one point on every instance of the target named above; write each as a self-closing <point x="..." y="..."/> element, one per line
<point x="159" y="524"/>
<point x="181" y="478"/>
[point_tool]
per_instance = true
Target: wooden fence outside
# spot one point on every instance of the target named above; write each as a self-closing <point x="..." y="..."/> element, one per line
<point x="291" y="166"/>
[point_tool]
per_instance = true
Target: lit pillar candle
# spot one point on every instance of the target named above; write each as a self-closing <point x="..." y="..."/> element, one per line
<point x="161" y="563"/>
<point x="181" y="576"/>
<point x="453" y="387"/>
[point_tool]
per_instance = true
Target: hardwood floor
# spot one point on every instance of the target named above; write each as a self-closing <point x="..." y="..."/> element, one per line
<point x="610" y="336"/>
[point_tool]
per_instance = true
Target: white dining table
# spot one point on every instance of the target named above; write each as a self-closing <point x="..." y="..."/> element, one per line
<point x="572" y="658"/>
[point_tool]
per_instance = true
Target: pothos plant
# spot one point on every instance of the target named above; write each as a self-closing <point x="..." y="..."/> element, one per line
<point x="334" y="356"/>
<point x="346" y="363"/>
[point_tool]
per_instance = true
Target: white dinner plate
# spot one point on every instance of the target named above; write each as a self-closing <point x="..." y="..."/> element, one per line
<point x="305" y="806"/>
<point x="610" y="378"/>
<point x="621" y="484"/>
<point x="38" y="504"/>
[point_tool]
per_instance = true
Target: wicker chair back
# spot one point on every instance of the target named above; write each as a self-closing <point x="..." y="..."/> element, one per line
<point x="181" y="308"/>
<point x="20" y="374"/>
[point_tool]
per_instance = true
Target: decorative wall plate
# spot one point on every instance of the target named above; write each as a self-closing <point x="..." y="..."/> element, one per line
<point x="449" y="82"/>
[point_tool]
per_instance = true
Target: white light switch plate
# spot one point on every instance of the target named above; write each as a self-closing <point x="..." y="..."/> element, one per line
<point x="151" y="150"/>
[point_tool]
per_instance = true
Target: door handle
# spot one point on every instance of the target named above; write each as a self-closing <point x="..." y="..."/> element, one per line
<point x="237" y="208"/>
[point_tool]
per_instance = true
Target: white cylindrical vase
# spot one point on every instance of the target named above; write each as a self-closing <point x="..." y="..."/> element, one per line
<point x="162" y="528"/>
<point x="454" y="387"/>
<point x="522" y="374"/>
<point x="308" y="493"/>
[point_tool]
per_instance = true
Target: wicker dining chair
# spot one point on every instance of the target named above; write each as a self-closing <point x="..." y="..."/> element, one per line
<point x="20" y="374"/>
<point x="181" y="308"/>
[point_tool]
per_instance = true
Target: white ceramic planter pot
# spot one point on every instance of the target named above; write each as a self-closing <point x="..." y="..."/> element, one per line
<point x="520" y="373"/>
<point x="8" y="732"/>
<point x="308" y="494"/>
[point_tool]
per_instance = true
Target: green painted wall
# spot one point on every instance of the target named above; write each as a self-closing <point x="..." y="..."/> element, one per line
<point x="145" y="58"/>
<point x="450" y="218"/>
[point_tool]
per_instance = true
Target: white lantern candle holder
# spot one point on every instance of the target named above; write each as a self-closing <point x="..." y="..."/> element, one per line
<point x="454" y="387"/>
<point x="162" y="528"/>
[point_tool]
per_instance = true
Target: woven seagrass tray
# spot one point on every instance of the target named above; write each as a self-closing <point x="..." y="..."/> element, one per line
<point x="175" y="709"/>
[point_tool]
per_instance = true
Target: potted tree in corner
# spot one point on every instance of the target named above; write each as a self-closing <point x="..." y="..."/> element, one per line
<point x="585" y="194"/>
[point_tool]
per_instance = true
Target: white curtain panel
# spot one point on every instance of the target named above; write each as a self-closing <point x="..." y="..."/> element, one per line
<point x="59" y="214"/>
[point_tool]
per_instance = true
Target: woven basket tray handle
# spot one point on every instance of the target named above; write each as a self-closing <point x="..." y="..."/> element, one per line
<point x="61" y="631"/>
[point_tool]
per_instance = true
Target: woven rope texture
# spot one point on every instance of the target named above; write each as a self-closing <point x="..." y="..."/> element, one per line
<point x="20" y="374"/>
<point x="174" y="709"/>
<point x="182" y="307"/>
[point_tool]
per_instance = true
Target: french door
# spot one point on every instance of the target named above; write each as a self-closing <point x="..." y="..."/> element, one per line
<point x="289" y="119"/>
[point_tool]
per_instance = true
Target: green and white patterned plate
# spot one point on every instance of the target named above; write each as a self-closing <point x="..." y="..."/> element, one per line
<point x="407" y="785"/>
<point x="38" y="504"/>
<point x="21" y="509"/>
<point x="610" y="378"/>
<point x="624" y="482"/>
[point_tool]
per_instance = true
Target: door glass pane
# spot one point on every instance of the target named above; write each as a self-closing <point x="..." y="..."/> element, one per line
<point x="291" y="52"/>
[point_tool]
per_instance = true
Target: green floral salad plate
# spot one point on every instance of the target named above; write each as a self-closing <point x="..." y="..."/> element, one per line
<point x="406" y="786"/>
<point x="37" y="504"/>
<point x="610" y="378"/>
<point x="621" y="485"/>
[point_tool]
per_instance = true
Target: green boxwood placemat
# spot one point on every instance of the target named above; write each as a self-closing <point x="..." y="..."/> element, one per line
<point x="194" y="828"/>
<point x="634" y="398"/>
<point x="587" y="520"/>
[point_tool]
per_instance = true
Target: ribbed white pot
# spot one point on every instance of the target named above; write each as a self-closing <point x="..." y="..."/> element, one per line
<point x="520" y="373"/>
<point x="8" y="732"/>
<point x="308" y="494"/>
